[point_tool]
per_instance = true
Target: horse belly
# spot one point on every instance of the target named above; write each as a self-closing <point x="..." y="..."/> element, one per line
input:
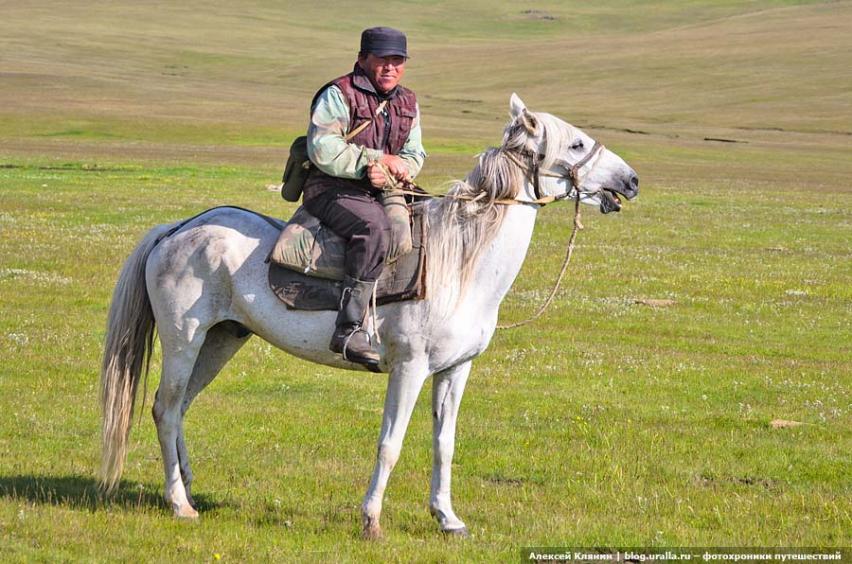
<point x="304" y="334"/>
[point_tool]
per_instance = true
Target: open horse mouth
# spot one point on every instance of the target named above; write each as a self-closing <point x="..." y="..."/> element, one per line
<point x="611" y="197"/>
<point x="610" y="202"/>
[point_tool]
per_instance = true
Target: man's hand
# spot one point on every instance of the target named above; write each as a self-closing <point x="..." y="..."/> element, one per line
<point x="394" y="165"/>
<point x="376" y="175"/>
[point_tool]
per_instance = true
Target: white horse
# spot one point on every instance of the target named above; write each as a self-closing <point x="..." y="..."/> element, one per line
<point x="205" y="289"/>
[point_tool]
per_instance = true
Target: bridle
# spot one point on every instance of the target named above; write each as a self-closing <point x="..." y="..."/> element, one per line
<point x="532" y="166"/>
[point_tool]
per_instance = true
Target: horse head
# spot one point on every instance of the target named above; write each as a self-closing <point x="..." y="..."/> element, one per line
<point x="564" y="160"/>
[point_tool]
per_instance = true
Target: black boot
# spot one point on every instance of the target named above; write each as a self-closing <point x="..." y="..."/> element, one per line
<point x="349" y="338"/>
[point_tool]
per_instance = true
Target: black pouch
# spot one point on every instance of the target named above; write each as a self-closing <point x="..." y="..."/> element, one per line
<point x="296" y="170"/>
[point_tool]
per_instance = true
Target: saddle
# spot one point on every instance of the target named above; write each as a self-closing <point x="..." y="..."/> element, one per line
<point x="306" y="265"/>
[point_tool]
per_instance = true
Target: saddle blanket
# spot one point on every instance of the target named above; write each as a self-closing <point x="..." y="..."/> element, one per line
<point x="403" y="279"/>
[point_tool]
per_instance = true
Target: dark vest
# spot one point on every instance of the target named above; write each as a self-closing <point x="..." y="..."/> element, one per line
<point x="363" y="100"/>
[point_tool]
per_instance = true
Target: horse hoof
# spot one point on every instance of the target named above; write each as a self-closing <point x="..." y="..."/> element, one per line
<point x="462" y="533"/>
<point x="372" y="533"/>
<point x="186" y="512"/>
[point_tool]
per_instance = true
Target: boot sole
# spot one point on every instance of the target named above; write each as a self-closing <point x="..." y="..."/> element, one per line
<point x="369" y="363"/>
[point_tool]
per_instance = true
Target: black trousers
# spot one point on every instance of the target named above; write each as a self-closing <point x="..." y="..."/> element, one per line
<point x="358" y="217"/>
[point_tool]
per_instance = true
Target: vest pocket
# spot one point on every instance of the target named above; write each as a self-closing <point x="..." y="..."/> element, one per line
<point x="404" y="112"/>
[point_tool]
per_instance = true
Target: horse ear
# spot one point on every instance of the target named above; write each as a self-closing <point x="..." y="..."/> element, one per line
<point x="530" y="122"/>
<point x="518" y="109"/>
<point x="516" y="106"/>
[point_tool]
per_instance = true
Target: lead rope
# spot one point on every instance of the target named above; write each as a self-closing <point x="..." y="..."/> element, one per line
<point x="577" y="227"/>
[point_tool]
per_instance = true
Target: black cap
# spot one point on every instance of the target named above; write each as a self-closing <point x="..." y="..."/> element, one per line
<point x="383" y="42"/>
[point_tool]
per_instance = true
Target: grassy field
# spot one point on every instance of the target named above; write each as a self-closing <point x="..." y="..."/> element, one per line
<point x="608" y="422"/>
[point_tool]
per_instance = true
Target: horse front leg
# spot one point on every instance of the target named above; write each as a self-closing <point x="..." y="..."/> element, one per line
<point x="404" y="384"/>
<point x="447" y="390"/>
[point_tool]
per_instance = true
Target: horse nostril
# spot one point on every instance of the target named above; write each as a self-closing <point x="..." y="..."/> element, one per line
<point x="634" y="183"/>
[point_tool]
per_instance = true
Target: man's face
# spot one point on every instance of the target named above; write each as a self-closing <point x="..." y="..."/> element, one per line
<point x="384" y="72"/>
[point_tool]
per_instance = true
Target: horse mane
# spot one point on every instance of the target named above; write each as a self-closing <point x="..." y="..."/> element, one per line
<point x="462" y="224"/>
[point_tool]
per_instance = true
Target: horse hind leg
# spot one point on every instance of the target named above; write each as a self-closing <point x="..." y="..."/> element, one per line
<point x="220" y="345"/>
<point x="181" y="355"/>
<point x="178" y="362"/>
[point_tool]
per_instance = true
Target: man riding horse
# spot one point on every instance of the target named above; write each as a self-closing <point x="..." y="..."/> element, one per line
<point x="344" y="186"/>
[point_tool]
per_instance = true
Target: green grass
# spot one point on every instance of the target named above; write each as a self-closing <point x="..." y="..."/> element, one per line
<point x="607" y="422"/>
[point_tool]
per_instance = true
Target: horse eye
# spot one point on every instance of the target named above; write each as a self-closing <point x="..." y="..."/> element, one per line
<point x="577" y="145"/>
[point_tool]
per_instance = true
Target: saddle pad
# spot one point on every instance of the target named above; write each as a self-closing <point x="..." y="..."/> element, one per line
<point x="307" y="246"/>
<point x="403" y="279"/>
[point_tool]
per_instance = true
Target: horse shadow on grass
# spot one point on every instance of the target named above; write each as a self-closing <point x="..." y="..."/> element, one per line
<point x="82" y="492"/>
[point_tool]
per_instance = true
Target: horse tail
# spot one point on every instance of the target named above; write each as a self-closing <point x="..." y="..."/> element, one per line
<point x="128" y="346"/>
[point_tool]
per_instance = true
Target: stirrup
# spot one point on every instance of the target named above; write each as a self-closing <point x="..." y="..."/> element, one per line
<point x="371" y="365"/>
<point x="349" y="337"/>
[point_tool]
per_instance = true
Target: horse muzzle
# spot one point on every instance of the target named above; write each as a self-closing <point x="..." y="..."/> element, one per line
<point x="611" y="197"/>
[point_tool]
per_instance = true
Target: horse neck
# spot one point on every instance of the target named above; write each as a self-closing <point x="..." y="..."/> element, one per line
<point x="493" y="270"/>
<point x="474" y="259"/>
<point x="500" y="264"/>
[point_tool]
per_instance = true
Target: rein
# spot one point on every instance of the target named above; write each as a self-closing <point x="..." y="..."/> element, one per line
<point x="412" y="189"/>
<point x="532" y="167"/>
